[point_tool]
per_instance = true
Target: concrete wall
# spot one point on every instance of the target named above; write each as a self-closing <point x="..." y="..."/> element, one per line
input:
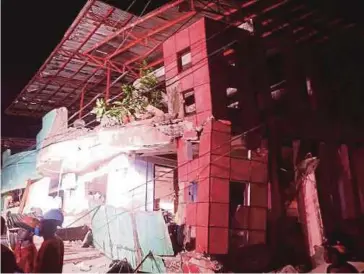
<point x="207" y="211"/>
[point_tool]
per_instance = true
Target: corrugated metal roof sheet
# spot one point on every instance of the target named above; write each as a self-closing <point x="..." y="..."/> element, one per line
<point x="113" y="231"/>
<point x="17" y="169"/>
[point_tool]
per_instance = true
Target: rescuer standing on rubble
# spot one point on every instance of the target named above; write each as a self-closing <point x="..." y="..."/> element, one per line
<point x="25" y="250"/>
<point x="51" y="253"/>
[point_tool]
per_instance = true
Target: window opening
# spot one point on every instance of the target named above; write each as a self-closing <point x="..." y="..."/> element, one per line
<point x="192" y="192"/>
<point x="193" y="149"/>
<point x="159" y="72"/>
<point x="238" y="150"/>
<point x="189" y="102"/>
<point x="276" y="78"/>
<point x="275" y="68"/>
<point x="163" y="187"/>
<point x="233" y="100"/>
<point x="239" y="197"/>
<point x="184" y="59"/>
<point x="14" y="198"/>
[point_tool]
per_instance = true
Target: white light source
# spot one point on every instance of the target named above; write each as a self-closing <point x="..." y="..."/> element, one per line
<point x="38" y="195"/>
<point x="119" y="162"/>
<point x="69" y="181"/>
<point x="124" y="181"/>
<point x="169" y="206"/>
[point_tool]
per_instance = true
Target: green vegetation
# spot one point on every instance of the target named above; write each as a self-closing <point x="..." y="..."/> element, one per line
<point x="134" y="101"/>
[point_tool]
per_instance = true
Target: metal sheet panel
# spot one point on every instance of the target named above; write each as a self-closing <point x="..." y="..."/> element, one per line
<point x="118" y="236"/>
<point x="17" y="169"/>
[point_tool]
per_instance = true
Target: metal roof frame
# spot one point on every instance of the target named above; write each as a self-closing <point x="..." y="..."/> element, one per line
<point x="105" y="42"/>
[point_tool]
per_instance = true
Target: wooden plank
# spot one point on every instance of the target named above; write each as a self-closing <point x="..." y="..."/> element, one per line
<point x="25" y="197"/>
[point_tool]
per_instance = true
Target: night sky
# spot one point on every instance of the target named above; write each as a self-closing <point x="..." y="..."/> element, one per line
<point x="30" y="30"/>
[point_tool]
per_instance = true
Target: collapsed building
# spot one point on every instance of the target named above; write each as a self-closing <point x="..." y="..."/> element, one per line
<point x="239" y="154"/>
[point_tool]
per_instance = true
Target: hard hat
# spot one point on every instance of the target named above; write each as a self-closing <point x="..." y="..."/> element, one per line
<point x="54" y="214"/>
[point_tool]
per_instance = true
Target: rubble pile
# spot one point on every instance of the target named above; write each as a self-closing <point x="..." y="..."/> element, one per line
<point x="173" y="264"/>
<point x="194" y="262"/>
<point x="173" y="128"/>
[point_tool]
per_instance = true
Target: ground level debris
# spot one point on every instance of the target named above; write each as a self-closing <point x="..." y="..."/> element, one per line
<point x="194" y="262"/>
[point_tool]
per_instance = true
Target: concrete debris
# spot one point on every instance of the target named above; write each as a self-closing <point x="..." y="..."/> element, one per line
<point x="179" y="127"/>
<point x="87" y="260"/>
<point x="191" y="262"/>
<point x="154" y="111"/>
<point x="84" y="267"/>
<point x="308" y="165"/>
<point x="173" y="130"/>
<point x="109" y="121"/>
<point x="166" y="118"/>
<point x="190" y="135"/>
<point x="194" y="262"/>
<point x="174" y="127"/>
<point x="173" y="264"/>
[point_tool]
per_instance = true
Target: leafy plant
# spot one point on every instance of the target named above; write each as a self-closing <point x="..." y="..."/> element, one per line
<point x="100" y="109"/>
<point x="149" y="86"/>
<point x="135" y="100"/>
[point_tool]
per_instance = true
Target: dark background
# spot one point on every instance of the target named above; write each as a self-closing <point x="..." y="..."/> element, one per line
<point x="30" y="30"/>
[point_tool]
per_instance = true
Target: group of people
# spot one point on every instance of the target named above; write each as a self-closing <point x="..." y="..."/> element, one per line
<point x="24" y="257"/>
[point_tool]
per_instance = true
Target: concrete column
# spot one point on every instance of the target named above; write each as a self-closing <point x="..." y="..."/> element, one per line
<point x="308" y="203"/>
